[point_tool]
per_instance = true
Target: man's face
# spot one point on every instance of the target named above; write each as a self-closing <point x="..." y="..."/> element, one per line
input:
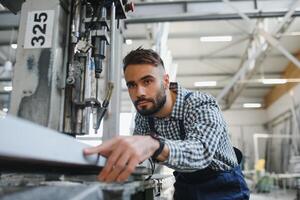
<point x="146" y="86"/>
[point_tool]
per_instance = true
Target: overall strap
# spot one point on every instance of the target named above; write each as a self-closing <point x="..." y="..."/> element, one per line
<point x="239" y="155"/>
<point x="181" y="123"/>
<point x="151" y="124"/>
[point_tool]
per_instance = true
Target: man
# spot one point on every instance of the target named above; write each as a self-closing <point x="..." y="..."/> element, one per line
<point x="181" y="129"/>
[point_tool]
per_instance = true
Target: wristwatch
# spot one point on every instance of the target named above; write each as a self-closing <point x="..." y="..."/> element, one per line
<point x="160" y="148"/>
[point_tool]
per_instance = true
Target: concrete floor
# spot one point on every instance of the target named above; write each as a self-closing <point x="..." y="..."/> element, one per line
<point x="274" y="195"/>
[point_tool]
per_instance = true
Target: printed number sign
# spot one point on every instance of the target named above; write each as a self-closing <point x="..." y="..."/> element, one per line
<point x="39" y="29"/>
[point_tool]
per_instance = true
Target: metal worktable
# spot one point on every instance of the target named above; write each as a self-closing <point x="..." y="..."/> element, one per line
<point x="40" y="163"/>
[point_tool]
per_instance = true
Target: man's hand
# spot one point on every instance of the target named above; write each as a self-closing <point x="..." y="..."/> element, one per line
<point x="123" y="155"/>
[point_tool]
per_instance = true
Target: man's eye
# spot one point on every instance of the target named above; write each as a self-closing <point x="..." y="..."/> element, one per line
<point x="130" y="86"/>
<point x="147" y="82"/>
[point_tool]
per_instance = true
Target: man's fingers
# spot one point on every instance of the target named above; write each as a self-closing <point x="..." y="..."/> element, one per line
<point x="122" y="157"/>
<point x="128" y="170"/>
<point x="92" y="150"/>
<point x="120" y="165"/>
<point x="103" y="149"/>
<point x="111" y="161"/>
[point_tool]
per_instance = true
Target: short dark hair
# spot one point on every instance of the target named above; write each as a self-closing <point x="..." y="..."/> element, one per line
<point x="142" y="56"/>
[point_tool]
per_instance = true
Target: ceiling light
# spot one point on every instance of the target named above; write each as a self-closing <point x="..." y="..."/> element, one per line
<point x="252" y="105"/>
<point x="205" y="84"/>
<point x="295" y="33"/>
<point x="5" y="109"/>
<point x="14" y="46"/>
<point x="128" y="41"/>
<point x="7" y="88"/>
<point x="225" y="38"/>
<point x="8" y="65"/>
<point x="274" y="81"/>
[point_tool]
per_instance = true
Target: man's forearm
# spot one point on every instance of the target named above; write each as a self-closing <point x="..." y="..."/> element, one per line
<point x="164" y="155"/>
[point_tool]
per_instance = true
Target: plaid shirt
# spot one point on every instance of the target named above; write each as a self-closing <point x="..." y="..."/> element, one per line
<point x="206" y="142"/>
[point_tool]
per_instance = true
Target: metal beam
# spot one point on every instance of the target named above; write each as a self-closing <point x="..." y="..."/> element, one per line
<point x="216" y="51"/>
<point x="5" y="93"/>
<point x="197" y="75"/>
<point x="240" y="13"/>
<point x="231" y="91"/>
<point x="263" y="87"/>
<point x="181" y="35"/>
<point x="113" y="74"/>
<point x="275" y="43"/>
<point x="257" y="55"/>
<point x="220" y="74"/>
<point x="206" y="10"/>
<point x="185" y="11"/>
<point x="220" y="88"/>
<point x="220" y="57"/>
<point x="211" y="17"/>
<point x="7" y="43"/>
<point x="8" y="37"/>
<point x="5" y="79"/>
<point x="13" y="5"/>
<point x="3" y="56"/>
<point x="236" y="42"/>
<point x="187" y="75"/>
<point x="9" y="20"/>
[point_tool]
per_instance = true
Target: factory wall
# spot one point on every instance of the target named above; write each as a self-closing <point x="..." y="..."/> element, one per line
<point x="284" y="103"/>
<point x="284" y="119"/>
<point x="277" y="119"/>
<point x="242" y="125"/>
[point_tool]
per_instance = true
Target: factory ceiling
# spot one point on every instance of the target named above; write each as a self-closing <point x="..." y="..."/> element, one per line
<point x="226" y="48"/>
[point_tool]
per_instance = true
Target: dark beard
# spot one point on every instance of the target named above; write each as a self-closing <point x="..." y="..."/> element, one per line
<point x="158" y="103"/>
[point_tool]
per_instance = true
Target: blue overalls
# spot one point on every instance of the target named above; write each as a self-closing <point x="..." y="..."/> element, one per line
<point x="207" y="184"/>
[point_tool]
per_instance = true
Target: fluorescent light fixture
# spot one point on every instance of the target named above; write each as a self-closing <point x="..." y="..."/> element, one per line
<point x="7" y="88"/>
<point x="295" y="33"/>
<point x="205" y="84"/>
<point x="274" y="81"/>
<point x="5" y="109"/>
<point x="251" y="105"/>
<point x="225" y="38"/>
<point x="128" y="41"/>
<point x="14" y="46"/>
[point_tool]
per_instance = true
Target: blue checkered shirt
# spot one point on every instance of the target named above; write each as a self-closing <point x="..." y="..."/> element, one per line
<point x="206" y="142"/>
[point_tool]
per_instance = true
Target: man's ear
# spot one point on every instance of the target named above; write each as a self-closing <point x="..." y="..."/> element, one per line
<point x="166" y="81"/>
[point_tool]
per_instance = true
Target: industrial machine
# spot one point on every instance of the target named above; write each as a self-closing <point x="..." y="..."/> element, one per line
<point x="66" y="73"/>
<point x="66" y="47"/>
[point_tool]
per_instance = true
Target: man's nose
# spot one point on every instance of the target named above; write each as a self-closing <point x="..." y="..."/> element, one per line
<point x="140" y="91"/>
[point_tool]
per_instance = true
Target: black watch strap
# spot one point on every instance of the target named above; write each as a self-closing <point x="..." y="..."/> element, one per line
<point x="160" y="148"/>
